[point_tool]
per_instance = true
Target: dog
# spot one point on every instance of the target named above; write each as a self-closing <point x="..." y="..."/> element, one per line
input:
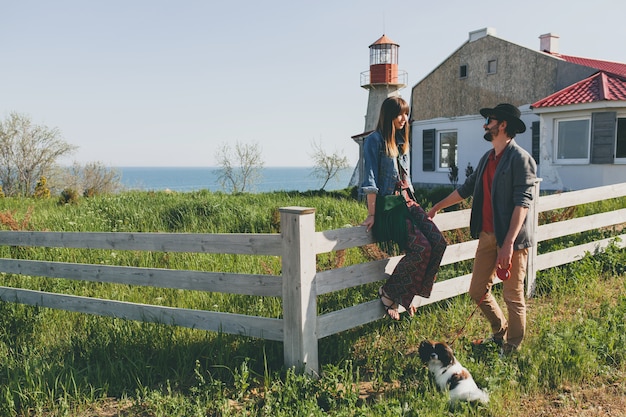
<point x="449" y="374"/>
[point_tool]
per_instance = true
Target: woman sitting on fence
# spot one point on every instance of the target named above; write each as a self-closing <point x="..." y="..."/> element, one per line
<point x="393" y="213"/>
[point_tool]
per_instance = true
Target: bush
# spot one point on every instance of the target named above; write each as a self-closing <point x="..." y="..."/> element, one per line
<point x="68" y="196"/>
<point x="41" y="189"/>
<point x="427" y="197"/>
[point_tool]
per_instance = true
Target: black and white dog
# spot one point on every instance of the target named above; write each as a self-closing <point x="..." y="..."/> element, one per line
<point x="449" y="374"/>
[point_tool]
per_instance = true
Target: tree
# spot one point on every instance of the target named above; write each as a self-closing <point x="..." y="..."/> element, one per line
<point x="327" y="166"/>
<point x="99" y="179"/>
<point x="469" y="170"/>
<point x="453" y="174"/>
<point x="91" y="179"/>
<point x="239" y="168"/>
<point x="27" y="153"/>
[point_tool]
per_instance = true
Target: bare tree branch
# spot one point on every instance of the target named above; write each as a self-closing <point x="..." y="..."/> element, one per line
<point x="27" y="153"/>
<point x="327" y="166"/>
<point x="239" y="168"/>
<point x="91" y="179"/>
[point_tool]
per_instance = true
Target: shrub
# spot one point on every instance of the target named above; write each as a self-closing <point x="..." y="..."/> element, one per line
<point x="41" y="189"/>
<point x="68" y="196"/>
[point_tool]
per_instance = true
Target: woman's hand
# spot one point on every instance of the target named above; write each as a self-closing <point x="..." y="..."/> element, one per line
<point x="368" y="222"/>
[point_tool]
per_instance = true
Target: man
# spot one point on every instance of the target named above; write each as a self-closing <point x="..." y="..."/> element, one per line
<point x="502" y="186"/>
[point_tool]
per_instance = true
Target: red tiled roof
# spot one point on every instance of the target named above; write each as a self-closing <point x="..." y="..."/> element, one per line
<point x="601" y="86"/>
<point x="608" y="66"/>
<point x="601" y="65"/>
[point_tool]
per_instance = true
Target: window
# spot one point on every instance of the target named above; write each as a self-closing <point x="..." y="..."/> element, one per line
<point x="492" y="66"/>
<point x="573" y="141"/>
<point x="620" y="147"/>
<point x="447" y="150"/>
<point x="599" y="139"/>
<point x="384" y="54"/>
<point x="463" y="71"/>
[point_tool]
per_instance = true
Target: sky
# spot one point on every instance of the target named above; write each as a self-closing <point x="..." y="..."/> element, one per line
<point x="167" y="83"/>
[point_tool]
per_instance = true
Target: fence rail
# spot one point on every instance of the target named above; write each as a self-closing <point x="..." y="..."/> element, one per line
<point x="299" y="285"/>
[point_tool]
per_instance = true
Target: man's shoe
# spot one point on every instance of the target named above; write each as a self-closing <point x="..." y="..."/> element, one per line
<point x="491" y="339"/>
<point x="507" y="350"/>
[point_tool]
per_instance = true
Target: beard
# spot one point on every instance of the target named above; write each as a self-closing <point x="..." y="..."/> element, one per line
<point x="489" y="133"/>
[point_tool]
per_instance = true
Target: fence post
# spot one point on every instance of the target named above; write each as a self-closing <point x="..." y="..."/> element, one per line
<point x="299" y="292"/>
<point x="531" y="268"/>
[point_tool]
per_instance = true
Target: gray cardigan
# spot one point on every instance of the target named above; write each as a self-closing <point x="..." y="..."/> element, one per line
<point x="513" y="184"/>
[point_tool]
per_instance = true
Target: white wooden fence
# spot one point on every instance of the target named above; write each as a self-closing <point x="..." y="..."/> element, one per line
<point x="298" y="286"/>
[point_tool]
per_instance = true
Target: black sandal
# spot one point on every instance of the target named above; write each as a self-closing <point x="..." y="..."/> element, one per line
<point x="388" y="307"/>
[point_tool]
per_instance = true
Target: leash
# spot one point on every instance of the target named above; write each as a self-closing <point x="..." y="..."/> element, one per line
<point x="469" y="318"/>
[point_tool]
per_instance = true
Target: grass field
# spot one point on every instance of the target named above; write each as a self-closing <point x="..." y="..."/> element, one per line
<point x="68" y="364"/>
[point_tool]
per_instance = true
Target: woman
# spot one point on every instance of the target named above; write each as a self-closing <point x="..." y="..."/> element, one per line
<point x="386" y="163"/>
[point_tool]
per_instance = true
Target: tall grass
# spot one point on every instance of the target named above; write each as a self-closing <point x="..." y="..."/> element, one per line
<point x="61" y="363"/>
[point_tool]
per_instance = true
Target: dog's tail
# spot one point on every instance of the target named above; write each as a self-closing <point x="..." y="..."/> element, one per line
<point x="473" y="395"/>
<point x="481" y="396"/>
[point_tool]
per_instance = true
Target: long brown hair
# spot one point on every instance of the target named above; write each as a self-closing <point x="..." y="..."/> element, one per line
<point x="389" y="110"/>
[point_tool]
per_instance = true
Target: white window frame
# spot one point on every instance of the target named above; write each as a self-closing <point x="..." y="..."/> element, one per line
<point x="572" y="161"/>
<point x="439" y="168"/>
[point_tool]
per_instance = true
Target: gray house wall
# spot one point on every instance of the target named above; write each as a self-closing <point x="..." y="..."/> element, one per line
<point x="523" y="76"/>
<point x="443" y="101"/>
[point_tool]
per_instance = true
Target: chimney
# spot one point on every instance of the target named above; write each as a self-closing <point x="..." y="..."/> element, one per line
<point x="481" y="33"/>
<point x="549" y="43"/>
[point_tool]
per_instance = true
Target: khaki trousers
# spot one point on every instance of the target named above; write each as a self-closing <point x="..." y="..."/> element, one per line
<point x="511" y="331"/>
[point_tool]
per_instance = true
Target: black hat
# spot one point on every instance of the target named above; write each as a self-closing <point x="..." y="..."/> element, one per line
<point x="508" y="112"/>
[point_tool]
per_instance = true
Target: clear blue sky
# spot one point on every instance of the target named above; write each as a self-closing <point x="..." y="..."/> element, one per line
<point x="163" y="83"/>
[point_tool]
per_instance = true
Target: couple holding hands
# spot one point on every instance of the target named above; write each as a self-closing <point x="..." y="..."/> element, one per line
<point x="502" y="190"/>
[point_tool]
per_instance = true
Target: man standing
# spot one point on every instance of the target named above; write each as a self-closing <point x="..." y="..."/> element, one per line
<point x="502" y="186"/>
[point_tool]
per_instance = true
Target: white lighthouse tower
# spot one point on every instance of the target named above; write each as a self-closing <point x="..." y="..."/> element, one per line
<point x="382" y="80"/>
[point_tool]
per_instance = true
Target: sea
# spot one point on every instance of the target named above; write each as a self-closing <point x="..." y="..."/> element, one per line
<point x="184" y="179"/>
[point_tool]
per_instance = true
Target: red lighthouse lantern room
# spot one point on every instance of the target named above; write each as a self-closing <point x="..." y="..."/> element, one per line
<point x="384" y="61"/>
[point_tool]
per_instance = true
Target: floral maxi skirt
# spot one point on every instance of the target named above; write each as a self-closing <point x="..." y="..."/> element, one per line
<point x="416" y="272"/>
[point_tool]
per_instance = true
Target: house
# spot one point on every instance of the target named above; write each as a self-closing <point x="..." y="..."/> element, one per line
<point x="557" y="94"/>
<point x="582" y="133"/>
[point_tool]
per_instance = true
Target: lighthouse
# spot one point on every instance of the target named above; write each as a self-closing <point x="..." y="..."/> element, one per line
<point x="382" y="80"/>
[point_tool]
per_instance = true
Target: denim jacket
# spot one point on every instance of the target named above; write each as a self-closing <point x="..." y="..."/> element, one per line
<point x="380" y="175"/>
<point x="513" y="184"/>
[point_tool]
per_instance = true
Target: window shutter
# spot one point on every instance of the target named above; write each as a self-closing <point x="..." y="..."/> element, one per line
<point x="535" y="142"/>
<point x="603" y="137"/>
<point x="428" y="150"/>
